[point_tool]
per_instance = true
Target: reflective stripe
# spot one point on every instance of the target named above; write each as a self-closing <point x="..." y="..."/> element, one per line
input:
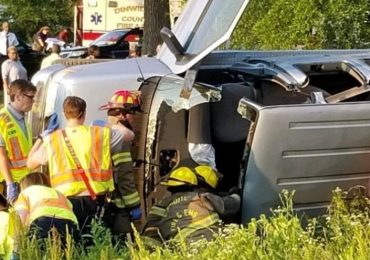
<point x="198" y="225"/>
<point x="121" y="158"/>
<point x="96" y="156"/>
<point x="119" y="203"/>
<point x="15" y="148"/>
<point x="60" y="202"/>
<point x="158" y="211"/>
<point x="74" y="175"/>
<point x="18" y="164"/>
<point x="127" y="201"/>
<point x="131" y="199"/>
<point x="60" y="158"/>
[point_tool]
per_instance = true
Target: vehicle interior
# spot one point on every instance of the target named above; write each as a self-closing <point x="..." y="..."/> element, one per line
<point x="267" y="84"/>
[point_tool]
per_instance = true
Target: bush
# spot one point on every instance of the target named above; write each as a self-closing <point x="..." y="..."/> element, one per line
<point x="343" y="233"/>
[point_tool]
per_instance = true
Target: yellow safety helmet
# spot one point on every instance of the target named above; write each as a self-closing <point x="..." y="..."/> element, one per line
<point x="181" y="176"/>
<point x="210" y="176"/>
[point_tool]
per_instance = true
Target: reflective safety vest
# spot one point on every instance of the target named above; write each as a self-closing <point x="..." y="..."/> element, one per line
<point x="91" y="145"/>
<point x="17" y="144"/>
<point x="9" y="226"/>
<point x="40" y="201"/>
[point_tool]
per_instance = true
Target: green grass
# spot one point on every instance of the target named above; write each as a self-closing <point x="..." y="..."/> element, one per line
<point x="343" y="233"/>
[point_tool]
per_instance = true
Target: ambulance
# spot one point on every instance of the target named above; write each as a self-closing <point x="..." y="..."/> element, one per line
<point x="95" y="17"/>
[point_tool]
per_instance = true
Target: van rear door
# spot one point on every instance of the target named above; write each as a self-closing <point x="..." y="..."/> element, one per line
<point x="201" y="28"/>
<point x="308" y="148"/>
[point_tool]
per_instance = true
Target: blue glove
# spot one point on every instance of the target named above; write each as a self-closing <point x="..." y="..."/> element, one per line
<point x="12" y="192"/>
<point x="53" y="122"/>
<point x="99" y="122"/>
<point x="135" y="213"/>
<point x="52" y="125"/>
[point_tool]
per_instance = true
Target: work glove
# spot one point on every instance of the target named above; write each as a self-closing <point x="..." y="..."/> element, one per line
<point x="12" y="192"/>
<point x="99" y="122"/>
<point x="135" y="213"/>
<point x="52" y="125"/>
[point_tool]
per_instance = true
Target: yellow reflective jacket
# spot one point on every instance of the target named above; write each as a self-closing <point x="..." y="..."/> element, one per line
<point x="40" y="201"/>
<point x="9" y="232"/>
<point x="92" y="147"/>
<point x="17" y="144"/>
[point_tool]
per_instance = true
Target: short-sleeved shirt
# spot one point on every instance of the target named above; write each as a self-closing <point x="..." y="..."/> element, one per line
<point x="19" y="118"/>
<point x="12" y="41"/>
<point x="12" y="70"/>
<point x="41" y="36"/>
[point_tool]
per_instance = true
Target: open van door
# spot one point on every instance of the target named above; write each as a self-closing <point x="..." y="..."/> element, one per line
<point x="308" y="148"/>
<point x="201" y="28"/>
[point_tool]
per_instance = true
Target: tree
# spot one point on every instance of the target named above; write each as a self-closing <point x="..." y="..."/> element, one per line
<point x="156" y="16"/>
<point x="242" y="37"/>
<point x="291" y="24"/>
<point x="28" y="16"/>
<point x="345" y="23"/>
<point x="303" y="24"/>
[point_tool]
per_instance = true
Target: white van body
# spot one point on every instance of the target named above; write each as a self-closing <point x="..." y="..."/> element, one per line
<point x="93" y="82"/>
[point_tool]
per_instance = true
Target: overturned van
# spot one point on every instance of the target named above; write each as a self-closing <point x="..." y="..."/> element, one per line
<point x="296" y="120"/>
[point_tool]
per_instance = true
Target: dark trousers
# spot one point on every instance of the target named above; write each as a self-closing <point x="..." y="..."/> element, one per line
<point x="86" y="209"/>
<point x="43" y="225"/>
<point x="118" y="220"/>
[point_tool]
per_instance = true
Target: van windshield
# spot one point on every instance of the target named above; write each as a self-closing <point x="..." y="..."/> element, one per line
<point x="109" y="38"/>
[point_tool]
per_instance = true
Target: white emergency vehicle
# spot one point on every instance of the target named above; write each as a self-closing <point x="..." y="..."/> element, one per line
<point x="95" y="17"/>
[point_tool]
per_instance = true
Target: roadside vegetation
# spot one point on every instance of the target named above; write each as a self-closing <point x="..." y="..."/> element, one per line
<point x="342" y="233"/>
<point x="303" y="24"/>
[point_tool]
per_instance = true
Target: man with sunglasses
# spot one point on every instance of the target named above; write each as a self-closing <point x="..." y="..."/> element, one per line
<point x="126" y="201"/>
<point x="15" y="136"/>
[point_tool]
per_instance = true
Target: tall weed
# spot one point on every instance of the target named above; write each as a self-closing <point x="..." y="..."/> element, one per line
<point x="342" y="233"/>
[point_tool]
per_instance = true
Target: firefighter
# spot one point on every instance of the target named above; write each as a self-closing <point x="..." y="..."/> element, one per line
<point x="126" y="200"/>
<point x="194" y="213"/>
<point x="80" y="160"/>
<point x="42" y="208"/>
<point x="208" y="180"/>
<point x="15" y="136"/>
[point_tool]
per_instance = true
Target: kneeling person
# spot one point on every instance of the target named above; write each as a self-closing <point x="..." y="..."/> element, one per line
<point x="194" y="213"/>
<point x="41" y="207"/>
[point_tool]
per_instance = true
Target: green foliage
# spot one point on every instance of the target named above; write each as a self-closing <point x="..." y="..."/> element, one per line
<point x="242" y="37"/>
<point x="343" y="234"/>
<point x="345" y="23"/>
<point x="303" y="24"/>
<point x="52" y="247"/>
<point x="28" y="16"/>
